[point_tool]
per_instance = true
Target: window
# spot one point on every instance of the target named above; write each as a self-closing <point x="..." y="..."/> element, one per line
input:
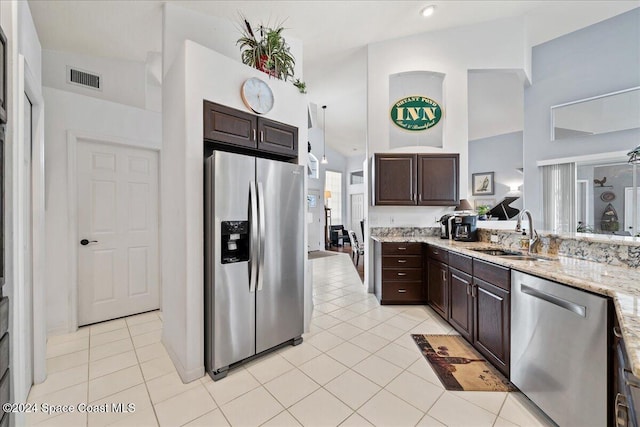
<point x="333" y="195"/>
<point x="357" y="177"/>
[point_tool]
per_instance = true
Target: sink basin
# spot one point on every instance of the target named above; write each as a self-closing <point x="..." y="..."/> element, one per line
<point x="523" y="257"/>
<point x="497" y="252"/>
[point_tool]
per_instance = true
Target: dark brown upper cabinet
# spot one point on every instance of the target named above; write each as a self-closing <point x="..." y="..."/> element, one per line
<point x="276" y="137"/>
<point x="227" y="126"/>
<point x="417" y="179"/>
<point x="3" y="78"/>
<point x="395" y="176"/>
<point x="438" y="179"/>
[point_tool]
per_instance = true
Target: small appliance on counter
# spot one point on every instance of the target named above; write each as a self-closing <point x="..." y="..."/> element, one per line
<point x="464" y="227"/>
<point x="444" y="225"/>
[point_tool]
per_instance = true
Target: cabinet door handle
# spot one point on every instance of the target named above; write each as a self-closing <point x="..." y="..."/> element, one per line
<point x="435" y="252"/>
<point x="621" y="402"/>
<point x="460" y="278"/>
<point x="474" y="291"/>
<point x="402" y="274"/>
<point x="402" y="291"/>
<point x="402" y="261"/>
<point x="444" y="276"/>
<point x="261" y="136"/>
<point x="420" y="197"/>
<point x="469" y="289"/>
<point x="254" y="135"/>
<point x="413" y="197"/>
<point x="402" y="249"/>
<point x="616" y="332"/>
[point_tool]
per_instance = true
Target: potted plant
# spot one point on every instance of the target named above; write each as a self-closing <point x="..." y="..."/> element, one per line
<point x="482" y="211"/>
<point x="268" y="52"/>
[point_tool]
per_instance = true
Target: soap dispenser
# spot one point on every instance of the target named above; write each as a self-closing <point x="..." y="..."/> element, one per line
<point x="524" y="240"/>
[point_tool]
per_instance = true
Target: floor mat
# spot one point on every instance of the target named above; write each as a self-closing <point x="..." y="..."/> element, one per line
<point x="459" y="366"/>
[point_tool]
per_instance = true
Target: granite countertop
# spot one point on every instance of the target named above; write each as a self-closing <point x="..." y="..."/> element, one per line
<point x="622" y="284"/>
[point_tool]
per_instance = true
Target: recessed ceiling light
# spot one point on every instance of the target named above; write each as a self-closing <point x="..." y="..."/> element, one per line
<point x="428" y="11"/>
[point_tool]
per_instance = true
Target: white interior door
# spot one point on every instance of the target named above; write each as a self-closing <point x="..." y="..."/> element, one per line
<point x="357" y="213"/>
<point x="28" y="243"/>
<point x="316" y="225"/>
<point x="118" y="214"/>
<point x="628" y="210"/>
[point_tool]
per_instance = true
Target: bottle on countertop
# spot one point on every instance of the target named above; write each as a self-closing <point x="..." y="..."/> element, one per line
<point x="524" y="240"/>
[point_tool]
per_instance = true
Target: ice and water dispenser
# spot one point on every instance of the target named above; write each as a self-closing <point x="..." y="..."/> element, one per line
<point x="235" y="241"/>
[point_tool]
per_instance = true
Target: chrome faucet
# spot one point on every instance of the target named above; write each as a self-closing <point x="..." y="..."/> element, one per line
<point x="534" y="239"/>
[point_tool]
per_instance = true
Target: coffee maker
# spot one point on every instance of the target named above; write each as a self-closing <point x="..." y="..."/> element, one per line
<point x="464" y="227"/>
<point x="445" y="226"/>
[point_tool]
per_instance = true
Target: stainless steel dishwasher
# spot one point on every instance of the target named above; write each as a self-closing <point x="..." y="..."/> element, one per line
<point x="559" y="354"/>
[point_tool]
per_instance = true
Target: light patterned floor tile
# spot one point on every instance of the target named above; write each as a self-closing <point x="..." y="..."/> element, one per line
<point x="66" y="361"/>
<point x="283" y="419"/>
<point x="60" y="380"/>
<point x="157" y="367"/>
<point x="136" y="395"/>
<point x="109" y="337"/>
<point x="387" y="332"/>
<point x="452" y="410"/>
<point x="364" y="322"/>
<point x="325" y="341"/>
<point x="214" y="418"/>
<point x="73" y="336"/>
<point x="114" y="382"/>
<point x="377" y="370"/>
<point x="385" y="409"/>
<point x="428" y="421"/>
<point x="299" y="354"/>
<point x="399" y="355"/>
<point x="112" y="364"/>
<point x="369" y="342"/>
<point x="76" y="393"/>
<point x="492" y="401"/>
<point x="143" y="328"/>
<point x="345" y="331"/>
<point x="414" y="390"/>
<point x="519" y="410"/>
<point x="348" y="354"/>
<point x="152" y="351"/>
<point x="184" y="407"/>
<point x="141" y="418"/>
<point x="320" y="409"/>
<point x="352" y="388"/>
<point x="325" y="321"/>
<point x="147" y="339"/>
<point x="267" y="368"/>
<point x="236" y="383"/>
<point x="291" y="387"/>
<point x="356" y="420"/>
<point x="142" y="318"/>
<point x="111" y="325"/>
<point x="110" y="349"/>
<point x="422" y="369"/>
<point x="322" y="369"/>
<point x="167" y="386"/>
<point x="67" y="347"/>
<point x="252" y="409"/>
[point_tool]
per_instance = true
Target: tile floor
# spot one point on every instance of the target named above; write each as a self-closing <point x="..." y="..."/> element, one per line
<point x="358" y="366"/>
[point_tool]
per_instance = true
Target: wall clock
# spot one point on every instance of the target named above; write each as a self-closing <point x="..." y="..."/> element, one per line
<point x="257" y="95"/>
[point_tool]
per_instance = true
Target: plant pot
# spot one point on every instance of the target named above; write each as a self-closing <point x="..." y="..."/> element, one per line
<point x="262" y="66"/>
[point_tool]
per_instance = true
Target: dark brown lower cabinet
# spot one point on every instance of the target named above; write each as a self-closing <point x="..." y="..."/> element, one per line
<point x="437" y="287"/>
<point x="461" y="302"/>
<point x="491" y="323"/>
<point x="400" y="274"/>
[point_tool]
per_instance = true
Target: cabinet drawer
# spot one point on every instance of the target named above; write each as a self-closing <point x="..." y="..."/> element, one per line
<point x="402" y="274"/>
<point x="401" y="248"/>
<point x="461" y="262"/>
<point x="492" y="273"/>
<point x="411" y="261"/>
<point x="402" y="291"/>
<point x="440" y="254"/>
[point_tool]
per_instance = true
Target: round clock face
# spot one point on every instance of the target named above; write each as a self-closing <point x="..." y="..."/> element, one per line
<point x="257" y="95"/>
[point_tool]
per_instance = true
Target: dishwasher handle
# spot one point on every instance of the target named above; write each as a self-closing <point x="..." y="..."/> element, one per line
<point x="580" y="310"/>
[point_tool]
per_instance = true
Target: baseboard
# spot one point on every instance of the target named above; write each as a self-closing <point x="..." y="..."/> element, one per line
<point x="186" y="376"/>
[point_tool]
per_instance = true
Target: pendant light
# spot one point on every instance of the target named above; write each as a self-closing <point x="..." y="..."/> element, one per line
<point x="324" y="160"/>
<point x="634" y="156"/>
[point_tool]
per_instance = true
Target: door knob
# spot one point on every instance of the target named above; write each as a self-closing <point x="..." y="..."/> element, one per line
<point x="85" y="242"/>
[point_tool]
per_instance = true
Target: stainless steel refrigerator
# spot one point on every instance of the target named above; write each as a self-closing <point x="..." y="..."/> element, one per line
<point x="254" y="250"/>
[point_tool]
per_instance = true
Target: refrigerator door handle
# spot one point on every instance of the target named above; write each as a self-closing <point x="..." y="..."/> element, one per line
<point x="261" y="215"/>
<point x="254" y="256"/>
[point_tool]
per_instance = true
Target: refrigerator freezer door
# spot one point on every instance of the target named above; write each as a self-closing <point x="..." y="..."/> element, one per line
<point x="279" y="299"/>
<point x="230" y="304"/>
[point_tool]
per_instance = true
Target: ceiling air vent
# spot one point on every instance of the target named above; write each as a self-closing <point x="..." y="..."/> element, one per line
<point x="83" y="78"/>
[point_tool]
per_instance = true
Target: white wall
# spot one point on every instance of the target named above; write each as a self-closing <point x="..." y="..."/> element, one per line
<point x="73" y="112"/>
<point x="198" y="73"/>
<point x="218" y="34"/>
<point x="354" y="163"/>
<point x="122" y="81"/>
<point x="495" y="45"/>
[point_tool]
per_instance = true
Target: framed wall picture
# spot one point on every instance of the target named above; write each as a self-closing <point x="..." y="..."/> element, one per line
<point x="483" y="184"/>
<point x="483" y="202"/>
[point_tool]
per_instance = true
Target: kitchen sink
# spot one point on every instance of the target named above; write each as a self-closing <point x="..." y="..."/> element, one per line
<point x="519" y="256"/>
<point x="497" y="252"/>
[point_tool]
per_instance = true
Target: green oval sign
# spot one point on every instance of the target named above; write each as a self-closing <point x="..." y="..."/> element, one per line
<point x="416" y="113"/>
